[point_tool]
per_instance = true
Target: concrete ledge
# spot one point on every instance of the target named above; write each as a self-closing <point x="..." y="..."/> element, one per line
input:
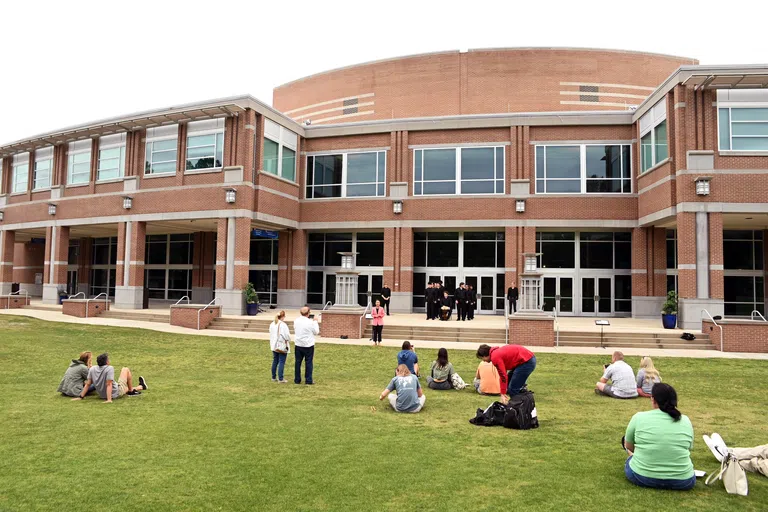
<point x="232" y="301"/>
<point x="647" y="307"/>
<point x="290" y="299"/>
<point x="14" y="301"/>
<point x="689" y="311"/>
<point x="129" y="297"/>
<point x="186" y="315"/>
<point x="401" y="302"/>
<point x="51" y="293"/>
<point x="738" y="335"/>
<point x="83" y="308"/>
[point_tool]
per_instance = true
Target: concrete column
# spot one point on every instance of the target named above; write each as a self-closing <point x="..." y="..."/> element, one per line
<point x="702" y="255"/>
<point x="56" y="255"/>
<point x="291" y="268"/>
<point x="694" y="254"/>
<point x="202" y="270"/>
<point x="84" y="265"/>
<point x="7" y="246"/>
<point x="236" y="251"/>
<point x="659" y="281"/>
<point x="130" y="294"/>
<point x="716" y="285"/>
<point x="398" y="247"/>
<point x="510" y="258"/>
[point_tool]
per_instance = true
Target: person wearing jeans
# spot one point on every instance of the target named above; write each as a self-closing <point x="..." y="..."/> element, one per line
<point x="514" y="363"/>
<point x="305" y="329"/>
<point x="280" y="343"/>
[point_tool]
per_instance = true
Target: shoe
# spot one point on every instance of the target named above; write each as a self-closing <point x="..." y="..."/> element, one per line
<point x="274" y="379"/>
<point x="716" y="445"/>
<point x="310" y="383"/>
<point x="143" y="383"/>
<point x="297" y="382"/>
<point x="133" y="392"/>
<point x="283" y="381"/>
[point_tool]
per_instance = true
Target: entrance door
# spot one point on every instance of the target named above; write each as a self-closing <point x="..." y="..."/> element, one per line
<point x="71" y="282"/>
<point x="558" y="293"/>
<point x="596" y="295"/>
<point x="365" y="284"/>
<point x="485" y="290"/>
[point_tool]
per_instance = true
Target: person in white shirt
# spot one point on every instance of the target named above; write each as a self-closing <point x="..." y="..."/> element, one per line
<point x="280" y="343"/>
<point x="622" y="379"/>
<point x="305" y="329"/>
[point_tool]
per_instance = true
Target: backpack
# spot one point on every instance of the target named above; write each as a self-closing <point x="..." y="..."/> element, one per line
<point x="688" y="336"/>
<point x="493" y="415"/>
<point x="521" y="412"/>
<point x="457" y="382"/>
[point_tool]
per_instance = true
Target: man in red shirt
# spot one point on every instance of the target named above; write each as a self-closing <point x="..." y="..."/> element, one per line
<point x="515" y="359"/>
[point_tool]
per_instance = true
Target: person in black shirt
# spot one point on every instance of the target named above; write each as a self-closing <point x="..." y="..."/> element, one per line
<point x="472" y="302"/>
<point x="460" y="297"/>
<point x="429" y="302"/>
<point x="435" y="297"/>
<point x="512" y="296"/>
<point x="386" y="294"/>
<point x="446" y="307"/>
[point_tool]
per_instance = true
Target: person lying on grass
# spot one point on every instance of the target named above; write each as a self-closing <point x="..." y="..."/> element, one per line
<point x="76" y="375"/>
<point x="409" y="397"/>
<point x="103" y="377"/>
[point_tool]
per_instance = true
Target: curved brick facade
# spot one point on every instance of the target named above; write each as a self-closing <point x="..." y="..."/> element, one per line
<point x="477" y="82"/>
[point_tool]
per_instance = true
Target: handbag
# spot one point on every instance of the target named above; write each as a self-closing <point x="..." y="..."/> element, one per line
<point x="281" y="345"/>
<point x="732" y="474"/>
<point x="458" y="382"/>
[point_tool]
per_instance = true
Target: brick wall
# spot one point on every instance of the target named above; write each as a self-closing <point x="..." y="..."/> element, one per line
<point x="532" y="331"/>
<point x="78" y="308"/>
<point x="183" y="316"/>
<point x="16" y="302"/>
<point x="336" y="325"/>
<point x="738" y="336"/>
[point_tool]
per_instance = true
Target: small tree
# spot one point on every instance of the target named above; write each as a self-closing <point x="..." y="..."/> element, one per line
<point x="670" y="305"/>
<point x="251" y="297"/>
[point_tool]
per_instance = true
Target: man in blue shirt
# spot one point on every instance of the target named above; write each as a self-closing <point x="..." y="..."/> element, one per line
<point x="408" y="357"/>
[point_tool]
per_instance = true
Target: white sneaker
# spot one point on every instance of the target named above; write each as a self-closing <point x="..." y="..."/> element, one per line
<point x="717" y="450"/>
<point x="720" y="443"/>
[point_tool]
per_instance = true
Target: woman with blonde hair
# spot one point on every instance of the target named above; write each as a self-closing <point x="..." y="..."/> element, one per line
<point x="280" y="343"/>
<point x="647" y="376"/>
<point x="76" y="375"/>
<point x="408" y="396"/>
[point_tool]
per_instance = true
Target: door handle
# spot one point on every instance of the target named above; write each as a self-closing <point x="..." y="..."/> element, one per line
<point x="597" y="298"/>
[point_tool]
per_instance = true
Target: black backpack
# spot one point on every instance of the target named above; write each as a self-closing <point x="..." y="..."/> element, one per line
<point x="491" y="416"/>
<point x="521" y="412"/>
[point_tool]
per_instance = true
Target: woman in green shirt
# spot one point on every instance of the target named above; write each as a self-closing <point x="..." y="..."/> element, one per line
<point x="659" y="443"/>
<point x="440" y="373"/>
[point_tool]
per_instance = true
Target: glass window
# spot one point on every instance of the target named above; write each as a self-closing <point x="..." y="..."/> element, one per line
<point x="346" y="175"/>
<point x="271" y="150"/>
<point x="653" y="136"/>
<point x="111" y="157"/>
<point x="744" y="294"/>
<point x="672" y="249"/>
<point x="43" y="167"/>
<point x="315" y="287"/>
<point x="288" y="169"/>
<point x="365" y="175"/>
<point x="279" y="156"/>
<point x="479" y="172"/>
<point x="79" y="162"/>
<point x="205" y="151"/>
<point x="449" y="171"/>
<point x="324" y="176"/>
<point x="262" y="251"/>
<point x="661" y="151"/>
<point x="622" y="294"/>
<point x="646" y="148"/>
<point x="370" y="249"/>
<point x="606" y="169"/>
<point x="161" y="150"/>
<point x="743" y="129"/>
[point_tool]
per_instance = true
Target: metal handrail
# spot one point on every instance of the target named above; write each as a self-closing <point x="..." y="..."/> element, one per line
<point x="506" y="320"/>
<point x="75" y="296"/>
<point x="714" y="322"/>
<point x="17" y="292"/>
<point x="557" y="325"/>
<point x="329" y="303"/>
<point x="365" y="312"/>
<point x="752" y="316"/>
<point x="203" y="309"/>
<point x="88" y="301"/>
<point x="181" y="299"/>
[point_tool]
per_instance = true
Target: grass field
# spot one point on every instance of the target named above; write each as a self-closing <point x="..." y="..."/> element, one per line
<point x="214" y="433"/>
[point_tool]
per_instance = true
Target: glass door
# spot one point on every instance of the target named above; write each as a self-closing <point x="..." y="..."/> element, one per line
<point x="596" y="295"/>
<point x="558" y="293"/>
<point x="71" y="282"/>
<point x="484" y="288"/>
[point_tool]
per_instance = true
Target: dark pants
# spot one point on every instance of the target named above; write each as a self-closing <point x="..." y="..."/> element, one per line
<point x="471" y="312"/>
<point x="377" y="333"/>
<point x="518" y="376"/>
<point x="658" y="483"/>
<point x="435" y="310"/>
<point x="306" y="354"/>
<point x="386" y="305"/>
<point x="278" y="364"/>
<point x="430" y="309"/>
<point x="512" y="305"/>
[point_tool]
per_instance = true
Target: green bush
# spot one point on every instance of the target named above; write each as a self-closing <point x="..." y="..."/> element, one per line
<point x="251" y="297"/>
<point x="670" y="305"/>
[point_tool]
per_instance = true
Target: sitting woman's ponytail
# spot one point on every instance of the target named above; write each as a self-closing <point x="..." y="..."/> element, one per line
<point x="666" y="398"/>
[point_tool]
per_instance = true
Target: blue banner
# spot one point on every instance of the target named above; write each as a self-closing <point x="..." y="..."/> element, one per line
<point x="263" y="233"/>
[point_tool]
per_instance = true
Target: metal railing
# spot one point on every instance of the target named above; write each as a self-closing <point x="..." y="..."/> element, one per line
<point x="76" y="295"/>
<point x="329" y="303"/>
<point x="17" y="292"/>
<point x="365" y="312"/>
<point x="557" y="325"/>
<point x="88" y="301"/>
<point x="203" y="309"/>
<point x="752" y="316"/>
<point x="181" y="299"/>
<point x="716" y="324"/>
<point x="506" y="320"/>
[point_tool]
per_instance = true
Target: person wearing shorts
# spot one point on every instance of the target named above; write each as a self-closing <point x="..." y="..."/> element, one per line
<point x="103" y="379"/>
<point x="622" y="379"/>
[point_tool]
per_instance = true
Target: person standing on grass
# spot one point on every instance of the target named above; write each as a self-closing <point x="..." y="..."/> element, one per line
<point x="305" y="329"/>
<point x="378" y="322"/>
<point x="409" y="396"/>
<point x="76" y="375"/>
<point x="659" y="444"/>
<point x="440" y="373"/>
<point x="280" y="343"/>
<point x="103" y="377"/>
<point x="515" y="359"/>
<point x="622" y="379"/>
<point x="408" y="357"/>
<point x="386" y="295"/>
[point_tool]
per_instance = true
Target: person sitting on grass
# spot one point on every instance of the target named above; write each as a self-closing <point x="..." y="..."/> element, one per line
<point x="487" y="379"/>
<point x="659" y="444"/>
<point x="76" y="375"/>
<point x="408" y="357"/>
<point x="622" y="379"/>
<point x="647" y="376"/>
<point x="103" y="377"/>
<point x="440" y="372"/>
<point x="408" y="394"/>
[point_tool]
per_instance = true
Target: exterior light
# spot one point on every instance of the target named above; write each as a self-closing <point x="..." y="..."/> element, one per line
<point x="530" y="263"/>
<point x="1" y="215"/>
<point x="51" y="209"/>
<point x="702" y="185"/>
<point x="520" y="206"/>
<point x="231" y="195"/>
<point x="397" y="207"/>
<point x="127" y="202"/>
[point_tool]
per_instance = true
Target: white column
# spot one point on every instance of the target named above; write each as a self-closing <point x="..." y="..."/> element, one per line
<point x="230" y="276"/>
<point x="702" y="255"/>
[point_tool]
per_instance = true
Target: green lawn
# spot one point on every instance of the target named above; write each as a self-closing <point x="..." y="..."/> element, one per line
<point x="214" y="433"/>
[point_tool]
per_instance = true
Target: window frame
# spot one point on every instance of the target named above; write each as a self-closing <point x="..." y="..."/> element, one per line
<point x="72" y="152"/>
<point x="20" y="160"/>
<point x="742" y="106"/>
<point x="47" y="156"/>
<point x="283" y="137"/>
<point x="150" y="142"/>
<point x="583" y="179"/>
<point x="219" y="129"/>
<point x="652" y="119"/>
<point x="121" y="144"/>
<point x="381" y="175"/>
<point x="457" y="178"/>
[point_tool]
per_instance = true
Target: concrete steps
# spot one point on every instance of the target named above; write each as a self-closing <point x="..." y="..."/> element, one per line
<point x="670" y="340"/>
<point x="440" y="333"/>
<point x="260" y="325"/>
<point x="160" y="318"/>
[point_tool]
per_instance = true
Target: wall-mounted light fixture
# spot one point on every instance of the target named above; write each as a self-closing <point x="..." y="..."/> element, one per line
<point x="51" y="209"/>
<point x="520" y="206"/>
<point x="127" y="202"/>
<point x="397" y="207"/>
<point x="703" y="185"/>
<point x="1" y="215"/>
<point x="231" y="195"/>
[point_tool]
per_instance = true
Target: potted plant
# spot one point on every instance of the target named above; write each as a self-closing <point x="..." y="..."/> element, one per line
<point x="251" y="300"/>
<point x="669" y="311"/>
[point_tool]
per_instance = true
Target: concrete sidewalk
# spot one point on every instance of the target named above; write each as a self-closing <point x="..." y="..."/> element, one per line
<point x="56" y="316"/>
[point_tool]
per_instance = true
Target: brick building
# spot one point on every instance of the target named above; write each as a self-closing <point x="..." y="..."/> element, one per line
<point x="630" y="174"/>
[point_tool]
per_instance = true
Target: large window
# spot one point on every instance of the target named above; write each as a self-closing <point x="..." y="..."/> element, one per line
<point x="43" y="167"/>
<point x="556" y="249"/>
<point x="279" y="150"/>
<point x="743" y="129"/>
<point x="483" y="249"/>
<point x="161" y="150"/>
<point x="584" y="168"/>
<point x="103" y="266"/>
<point x="743" y="280"/>
<point x="79" y="162"/>
<point x="20" y="173"/>
<point x="450" y="171"/>
<point x="436" y="249"/>
<point x="653" y="136"/>
<point x="205" y="145"/>
<point x="168" y="266"/>
<point x="346" y="175"/>
<point x="597" y="250"/>
<point x="262" y="271"/>
<point x="671" y="260"/>
<point x="111" y="157"/>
